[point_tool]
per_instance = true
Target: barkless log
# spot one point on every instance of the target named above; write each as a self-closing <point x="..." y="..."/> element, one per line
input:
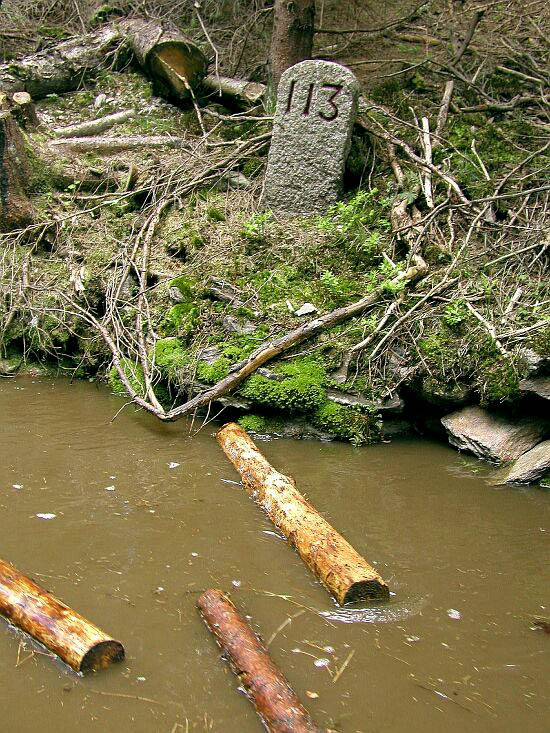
<point x="77" y="641"/>
<point x="344" y="573"/>
<point x="263" y="683"/>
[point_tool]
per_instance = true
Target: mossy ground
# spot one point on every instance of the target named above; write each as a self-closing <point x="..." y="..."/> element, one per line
<point x="276" y="265"/>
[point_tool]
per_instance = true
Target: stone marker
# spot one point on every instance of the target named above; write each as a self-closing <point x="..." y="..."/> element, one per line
<point x="316" y="108"/>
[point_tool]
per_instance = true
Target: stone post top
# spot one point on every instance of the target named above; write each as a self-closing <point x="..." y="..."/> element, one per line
<point x="316" y="108"/>
<point x="317" y="66"/>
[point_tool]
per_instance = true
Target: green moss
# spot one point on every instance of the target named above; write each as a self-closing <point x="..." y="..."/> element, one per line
<point x="302" y="388"/>
<point x="253" y="423"/>
<point x="184" y="285"/>
<point x="215" y="214"/>
<point x="541" y="342"/>
<point x="498" y="380"/>
<point x="212" y="373"/>
<point x="171" y="356"/>
<point x="134" y="373"/>
<point x="346" y="423"/>
<point x="180" y="320"/>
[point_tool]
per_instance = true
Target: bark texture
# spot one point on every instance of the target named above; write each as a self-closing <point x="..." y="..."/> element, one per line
<point x="175" y="63"/>
<point x="78" y="642"/>
<point x="343" y="572"/>
<point x="292" y="36"/>
<point x="238" y="91"/>
<point x="264" y="684"/>
<point x="15" y="208"/>
<point x="65" y="66"/>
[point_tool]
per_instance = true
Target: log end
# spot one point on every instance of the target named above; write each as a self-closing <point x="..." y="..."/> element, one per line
<point x="102" y="655"/>
<point x="367" y="590"/>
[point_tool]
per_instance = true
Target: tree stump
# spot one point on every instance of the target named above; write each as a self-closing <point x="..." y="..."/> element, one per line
<point x="174" y="63"/>
<point x="15" y="208"/>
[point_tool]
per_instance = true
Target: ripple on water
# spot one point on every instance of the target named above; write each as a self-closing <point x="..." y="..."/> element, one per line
<point x="383" y="613"/>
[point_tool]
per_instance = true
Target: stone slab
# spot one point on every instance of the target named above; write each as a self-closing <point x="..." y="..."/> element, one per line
<point x="492" y="436"/>
<point x="316" y="108"/>
<point x="536" y="385"/>
<point x="530" y="467"/>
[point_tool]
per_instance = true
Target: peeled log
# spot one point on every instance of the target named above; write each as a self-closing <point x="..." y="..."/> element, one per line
<point x="175" y="63"/>
<point x="15" y="208"/>
<point x="338" y="566"/>
<point x="263" y="683"/>
<point x="78" y="642"/>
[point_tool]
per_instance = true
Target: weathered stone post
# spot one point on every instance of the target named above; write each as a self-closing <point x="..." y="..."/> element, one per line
<point x="316" y="108"/>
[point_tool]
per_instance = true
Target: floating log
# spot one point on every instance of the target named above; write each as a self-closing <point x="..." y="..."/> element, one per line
<point x="78" y="642"/>
<point x="263" y="683"/>
<point x="15" y="208"/>
<point x="338" y="566"/>
<point x="174" y="63"/>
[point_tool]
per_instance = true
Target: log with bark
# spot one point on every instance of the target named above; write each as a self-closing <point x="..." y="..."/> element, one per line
<point x="238" y="92"/>
<point x="343" y="572"/>
<point x="65" y="66"/>
<point x="175" y="63"/>
<point x="106" y="145"/>
<point x="95" y="127"/>
<point x="77" y="641"/>
<point x="15" y="208"/>
<point x="266" y="687"/>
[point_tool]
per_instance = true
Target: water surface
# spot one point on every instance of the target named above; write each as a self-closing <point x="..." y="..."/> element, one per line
<point x="148" y="515"/>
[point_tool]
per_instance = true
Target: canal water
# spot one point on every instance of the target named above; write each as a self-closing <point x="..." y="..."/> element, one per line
<point x="139" y="517"/>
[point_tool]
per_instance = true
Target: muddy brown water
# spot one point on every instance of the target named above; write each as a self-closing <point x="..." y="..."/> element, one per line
<point x="136" y="537"/>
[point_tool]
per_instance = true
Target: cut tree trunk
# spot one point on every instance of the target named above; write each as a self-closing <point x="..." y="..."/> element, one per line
<point x="338" y="566"/>
<point x="274" y="699"/>
<point x="15" y="208"/>
<point x="239" y="92"/>
<point x="292" y="36"/>
<point x="78" y="642"/>
<point x="175" y="63"/>
<point x="65" y="66"/>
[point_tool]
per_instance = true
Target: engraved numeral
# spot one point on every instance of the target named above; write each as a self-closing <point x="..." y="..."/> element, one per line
<point x="333" y="110"/>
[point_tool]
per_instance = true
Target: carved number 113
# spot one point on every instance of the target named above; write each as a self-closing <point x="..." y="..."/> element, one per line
<point x="333" y="110"/>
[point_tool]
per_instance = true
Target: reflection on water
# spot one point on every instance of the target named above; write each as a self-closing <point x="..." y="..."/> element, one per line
<point x="146" y="516"/>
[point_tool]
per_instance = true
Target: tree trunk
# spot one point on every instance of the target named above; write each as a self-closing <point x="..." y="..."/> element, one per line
<point x="78" y="642"/>
<point x="292" y="36"/>
<point x="338" y="566"/>
<point x="175" y="63"/>
<point x="64" y="67"/>
<point x="276" y="703"/>
<point x="15" y="208"/>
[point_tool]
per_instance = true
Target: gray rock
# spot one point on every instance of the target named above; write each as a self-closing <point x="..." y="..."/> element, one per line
<point x="225" y="292"/>
<point x="529" y="467"/>
<point x="316" y="108"/>
<point x="234" y="325"/>
<point x="175" y="295"/>
<point x="10" y="366"/>
<point x="393" y="405"/>
<point x="533" y="361"/>
<point x="491" y="436"/>
<point x="305" y="310"/>
<point x="537" y="385"/>
<point x="452" y="395"/>
<point x="209" y="355"/>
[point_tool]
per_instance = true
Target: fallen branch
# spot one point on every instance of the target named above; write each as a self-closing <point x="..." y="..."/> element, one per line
<point x="113" y="144"/>
<point x="95" y="127"/>
<point x="271" y="349"/>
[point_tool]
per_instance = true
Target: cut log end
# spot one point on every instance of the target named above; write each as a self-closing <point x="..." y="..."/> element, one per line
<point x="101" y="656"/>
<point x="367" y="590"/>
